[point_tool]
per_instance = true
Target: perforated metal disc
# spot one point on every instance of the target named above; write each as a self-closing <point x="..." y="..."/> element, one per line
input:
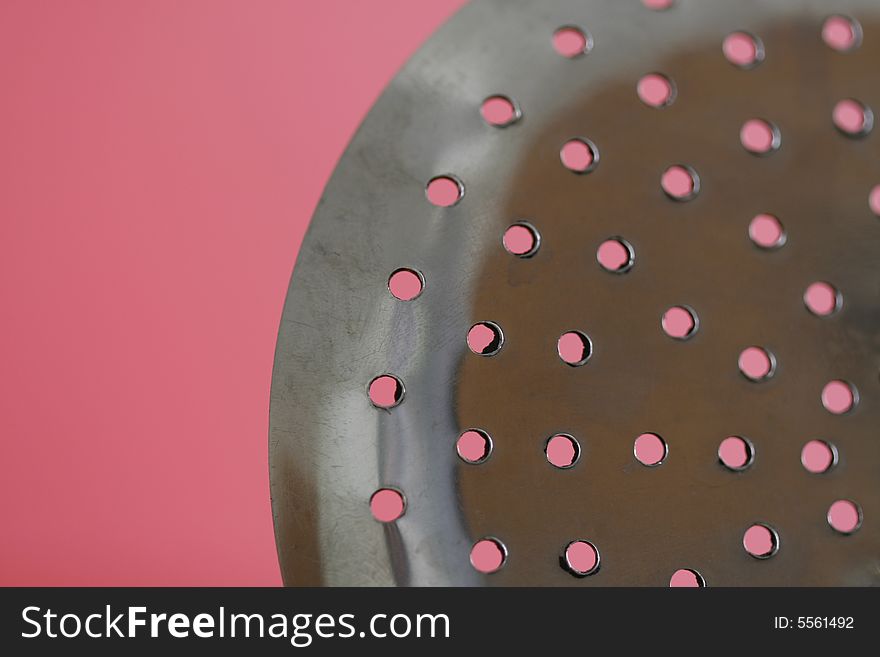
<point x="331" y="449"/>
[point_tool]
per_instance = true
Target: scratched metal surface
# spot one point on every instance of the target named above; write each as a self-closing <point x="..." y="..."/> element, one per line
<point x="330" y="449"/>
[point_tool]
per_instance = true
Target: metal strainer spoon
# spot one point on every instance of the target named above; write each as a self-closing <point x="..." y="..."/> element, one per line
<point x="593" y="298"/>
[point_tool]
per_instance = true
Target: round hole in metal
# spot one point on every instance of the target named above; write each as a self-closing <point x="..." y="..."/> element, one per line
<point x="387" y="504"/>
<point x="839" y="397"/>
<point x="680" y="322"/>
<point x="680" y="183"/>
<point x="650" y="449"/>
<point x="580" y="558"/>
<point x="766" y="231"/>
<point x="579" y="155"/>
<point x="822" y="299"/>
<point x="818" y="456"/>
<point x="616" y="255"/>
<point x="656" y="90"/>
<point x="574" y="348"/>
<point x="874" y="200"/>
<point x="488" y="555"/>
<point x="760" y="137"/>
<point x="841" y="33"/>
<point x="386" y="391"/>
<point x="757" y="363"/>
<point x="686" y="578"/>
<point x="406" y="284"/>
<point x="485" y="338"/>
<point x="570" y="41"/>
<point x="736" y="453"/>
<point x="659" y="5"/>
<point x="853" y="118"/>
<point x="474" y="446"/>
<point x="500" y="111"/>
<point x="444" y="191"/>
<point x="521" y="239"/>
<point x="845" y="516"/>
<point x="562" y="450"/>
<point x="743" y="50"/>
<point x="761" y="541"/>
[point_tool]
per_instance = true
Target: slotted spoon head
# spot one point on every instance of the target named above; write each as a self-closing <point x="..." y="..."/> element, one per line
<point x="572" y="336"/>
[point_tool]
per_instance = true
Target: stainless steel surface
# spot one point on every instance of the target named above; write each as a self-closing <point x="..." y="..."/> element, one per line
<point x="330" y="449"/>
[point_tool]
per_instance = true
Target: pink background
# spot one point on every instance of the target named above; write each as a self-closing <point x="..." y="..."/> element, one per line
<point x="160" y="161"/>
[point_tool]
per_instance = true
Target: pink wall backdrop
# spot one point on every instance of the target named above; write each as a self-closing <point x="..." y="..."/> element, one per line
<point x="159" y="162"/>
